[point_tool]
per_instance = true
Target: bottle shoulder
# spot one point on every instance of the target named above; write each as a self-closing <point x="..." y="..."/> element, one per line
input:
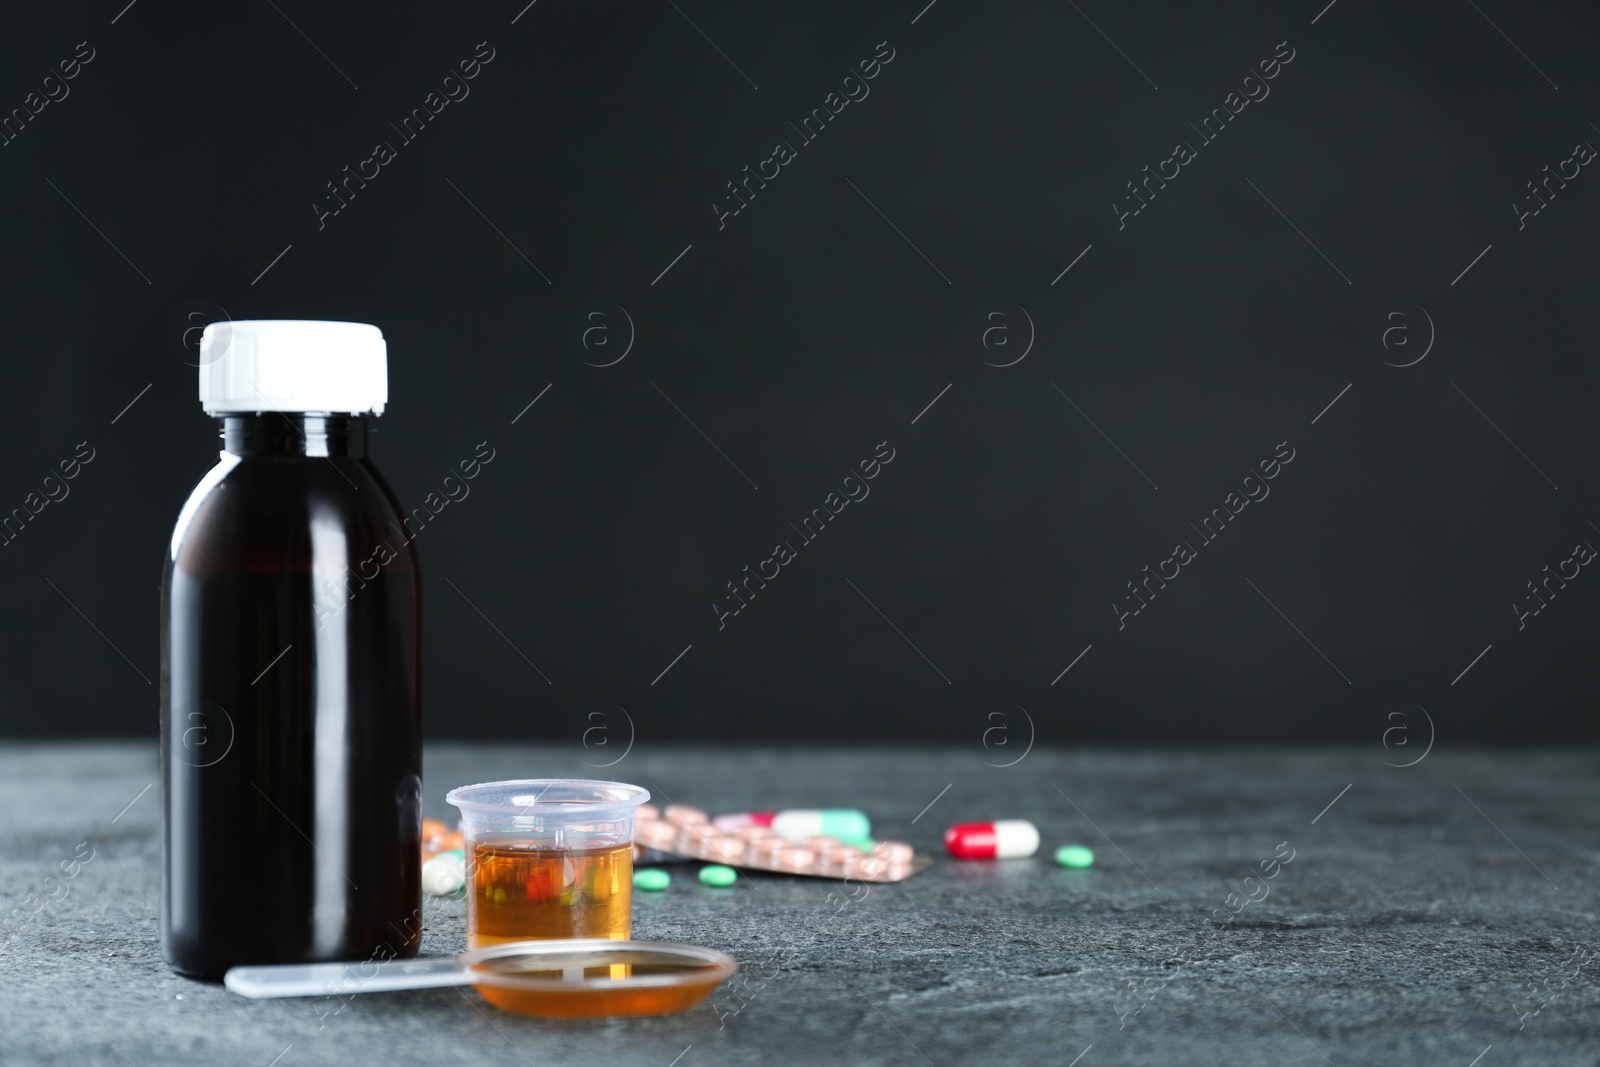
<point x="277" y="511"/>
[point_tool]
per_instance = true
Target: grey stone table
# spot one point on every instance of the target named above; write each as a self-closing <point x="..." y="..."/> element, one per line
<point x="1437" y="914"/>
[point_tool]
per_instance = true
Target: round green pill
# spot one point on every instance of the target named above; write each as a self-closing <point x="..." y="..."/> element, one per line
<point x="1075" y="856"/>
<point x="652" y="878"/>
<point x="718" y="875"/>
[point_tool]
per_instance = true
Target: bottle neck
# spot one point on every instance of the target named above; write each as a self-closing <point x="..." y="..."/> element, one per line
<point x="292" y="433"/>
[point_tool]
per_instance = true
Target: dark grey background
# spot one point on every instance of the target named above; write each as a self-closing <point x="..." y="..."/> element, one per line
<point x="191" y="149"/>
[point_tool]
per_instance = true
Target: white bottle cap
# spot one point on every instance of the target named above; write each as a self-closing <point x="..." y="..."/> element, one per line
<point x="293" y="365"/>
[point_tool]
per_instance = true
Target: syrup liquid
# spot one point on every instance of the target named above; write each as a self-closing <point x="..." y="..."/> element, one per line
<point x="586" y="997"/>
<point x="520" y="893"/>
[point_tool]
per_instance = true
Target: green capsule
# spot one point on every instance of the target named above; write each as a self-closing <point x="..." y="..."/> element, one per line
<point x="1075" y="856"/>
<point x="845" y="822"/>
<point x="651" y="878"/>
<point x="801" y="823"/>
<point x="718" y="875"/>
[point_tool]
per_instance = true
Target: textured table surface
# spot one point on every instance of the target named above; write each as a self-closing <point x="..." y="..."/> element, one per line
<point x="1438" y="914"/>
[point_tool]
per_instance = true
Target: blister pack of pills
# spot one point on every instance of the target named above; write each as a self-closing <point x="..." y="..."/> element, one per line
<point x="681" y="831"/>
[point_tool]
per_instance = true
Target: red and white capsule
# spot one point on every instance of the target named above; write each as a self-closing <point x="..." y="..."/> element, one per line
<point x="1003" y="839"/>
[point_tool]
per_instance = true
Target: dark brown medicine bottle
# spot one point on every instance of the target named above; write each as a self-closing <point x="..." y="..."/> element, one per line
<point x="291" y="732"/>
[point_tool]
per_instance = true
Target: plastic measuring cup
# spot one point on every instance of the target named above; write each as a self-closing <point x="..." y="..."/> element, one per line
<point x="548" y="858"/>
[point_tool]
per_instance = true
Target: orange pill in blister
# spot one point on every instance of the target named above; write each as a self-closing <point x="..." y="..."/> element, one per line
<point x="655" y="834"/>
<point x="646" y="811"/>
<point x="892" y="851"/>
<point x="689" y="843"/>
<point x="817" y="844"/>
<point x="834" y="858"/>
<point x="753" y="833"/>
<point x="793" y="859"/>
<point x="867" y="867"/>
<point x="725" y="849"/>
<point x="767" y="847"/>
<point x="682" y="814"/>
<point x="432" y="828"/>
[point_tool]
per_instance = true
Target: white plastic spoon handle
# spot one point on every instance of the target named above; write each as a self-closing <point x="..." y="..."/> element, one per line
<point x="340" y="979"/>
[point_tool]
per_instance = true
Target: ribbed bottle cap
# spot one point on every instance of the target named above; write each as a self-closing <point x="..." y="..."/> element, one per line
<point x="293" y="365"/>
